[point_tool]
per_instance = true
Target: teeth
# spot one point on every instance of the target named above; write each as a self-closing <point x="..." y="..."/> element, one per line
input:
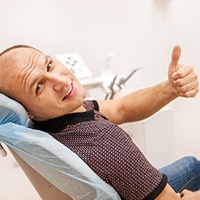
<point x="70" y="89"/>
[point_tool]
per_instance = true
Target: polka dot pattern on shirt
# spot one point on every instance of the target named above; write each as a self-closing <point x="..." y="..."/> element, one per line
<point x="111" y="153"/>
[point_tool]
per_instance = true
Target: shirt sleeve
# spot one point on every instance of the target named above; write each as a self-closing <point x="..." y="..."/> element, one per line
<point x="96" y="105"/>
<point x="118" y="161"/>
<point x="159" y="189"/>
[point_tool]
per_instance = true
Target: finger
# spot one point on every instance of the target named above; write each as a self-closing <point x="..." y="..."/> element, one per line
<point x="176" y="53"/>
<point x="188" y="94"/>
<point x="188" y="90"/>
<point x="182" y="72"/>
<point x="186" y="191"/>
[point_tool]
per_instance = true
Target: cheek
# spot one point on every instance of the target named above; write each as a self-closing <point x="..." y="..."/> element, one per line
<point x="81" y="89"/>
<point x="34" y="110"/>
<point x="83" y="92"/>
<point x="39" y="112"/>
<point x="34" y="106"/>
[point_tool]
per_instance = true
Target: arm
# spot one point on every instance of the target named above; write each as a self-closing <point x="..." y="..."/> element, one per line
<point x="189" y="195"/>
<point x="182" y="81"/>
<point x="168" y="194"/>
<point x="137" y="105"/>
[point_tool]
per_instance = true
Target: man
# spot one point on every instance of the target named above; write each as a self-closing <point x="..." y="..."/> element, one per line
<point x="54" y="100"/>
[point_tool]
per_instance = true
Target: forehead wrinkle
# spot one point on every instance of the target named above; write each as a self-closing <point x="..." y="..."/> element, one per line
<point x="35" y="78"/>
<point x="27" y="70"/>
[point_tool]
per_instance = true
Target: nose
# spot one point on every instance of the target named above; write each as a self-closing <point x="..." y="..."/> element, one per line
<point x="59" y="82"/>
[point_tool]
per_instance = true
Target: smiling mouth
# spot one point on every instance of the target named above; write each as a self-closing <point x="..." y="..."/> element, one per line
<point x="68" y="92"/>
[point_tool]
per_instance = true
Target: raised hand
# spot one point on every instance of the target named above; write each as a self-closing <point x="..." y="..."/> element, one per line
<point x="182" y="78"/>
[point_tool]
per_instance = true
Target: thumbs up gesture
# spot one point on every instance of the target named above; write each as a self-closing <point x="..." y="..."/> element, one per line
<point x="183" y="79"/>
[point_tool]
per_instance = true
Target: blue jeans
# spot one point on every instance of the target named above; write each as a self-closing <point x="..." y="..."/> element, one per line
<point x="183" y="174"/>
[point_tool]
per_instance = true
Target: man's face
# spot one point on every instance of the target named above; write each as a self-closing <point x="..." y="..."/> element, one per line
<point x="45" y="87"/>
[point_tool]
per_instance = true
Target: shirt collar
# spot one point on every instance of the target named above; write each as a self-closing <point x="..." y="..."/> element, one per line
<point x="58" y="124"/>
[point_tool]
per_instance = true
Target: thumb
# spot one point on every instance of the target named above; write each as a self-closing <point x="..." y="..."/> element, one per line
<point x="176" y="53"/>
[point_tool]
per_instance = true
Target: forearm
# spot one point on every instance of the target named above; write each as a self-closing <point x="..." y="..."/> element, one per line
<point x="144" y="103"/>
<point x="138" y="105"/>
<point x="168" y="194"/>
<point x="182" y="81"/>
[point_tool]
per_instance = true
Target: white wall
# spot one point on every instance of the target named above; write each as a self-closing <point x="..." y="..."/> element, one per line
<point x="137" y="32"/>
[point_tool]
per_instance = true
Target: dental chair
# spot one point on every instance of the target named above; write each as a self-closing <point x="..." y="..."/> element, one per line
<point x="55" y="171"/>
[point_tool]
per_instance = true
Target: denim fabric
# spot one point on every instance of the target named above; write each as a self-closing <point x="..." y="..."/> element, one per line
<point x="183" y="174"/>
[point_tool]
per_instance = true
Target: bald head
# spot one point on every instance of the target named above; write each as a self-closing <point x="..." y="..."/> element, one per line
<point x="44" y="86"/>
<point x="10" y="59"/>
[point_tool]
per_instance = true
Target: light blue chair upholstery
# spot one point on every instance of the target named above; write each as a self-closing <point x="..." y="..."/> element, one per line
<point x="48" y="157"/>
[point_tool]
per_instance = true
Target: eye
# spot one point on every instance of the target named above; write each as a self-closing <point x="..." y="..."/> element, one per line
<point x="39" y="85"/>
<point x="49" y="66"/>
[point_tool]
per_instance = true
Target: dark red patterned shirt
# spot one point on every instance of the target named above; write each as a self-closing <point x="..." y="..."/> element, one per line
<point x="108" y="150"/>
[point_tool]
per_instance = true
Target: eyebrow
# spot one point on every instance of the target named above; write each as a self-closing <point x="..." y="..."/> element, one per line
<point x="36" y="79"/>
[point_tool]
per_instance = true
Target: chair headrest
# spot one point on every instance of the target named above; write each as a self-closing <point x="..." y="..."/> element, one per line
<point x="12" y="111"/>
